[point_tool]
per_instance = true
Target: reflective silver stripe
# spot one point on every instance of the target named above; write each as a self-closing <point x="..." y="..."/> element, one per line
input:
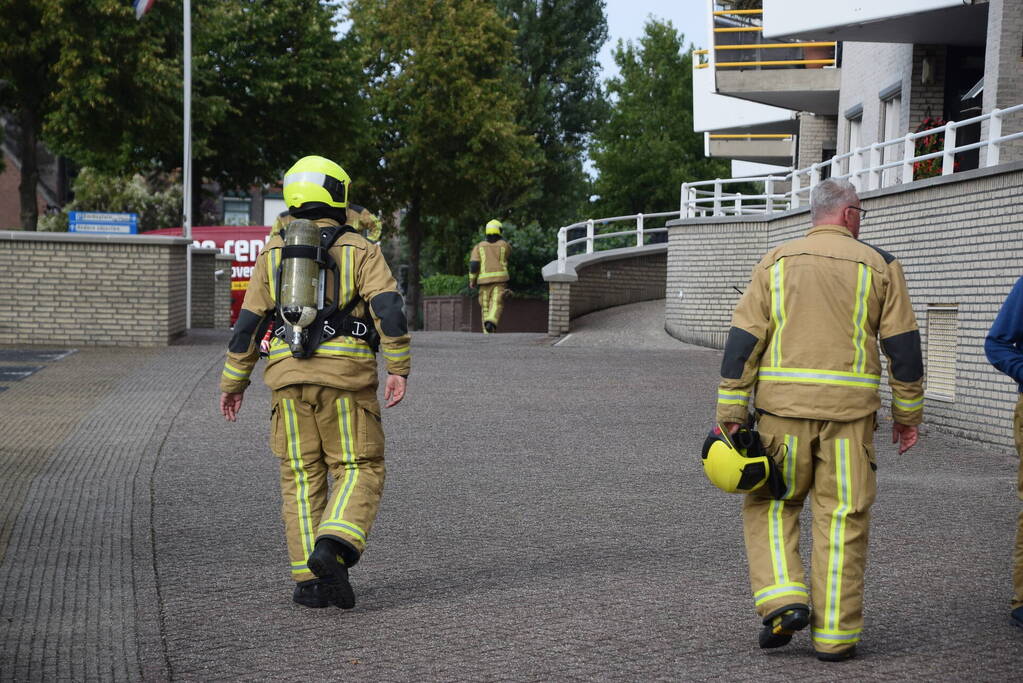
<point x="819" y="376"/>
<point x="909" y="404"/>
<point x="306" y="177"/>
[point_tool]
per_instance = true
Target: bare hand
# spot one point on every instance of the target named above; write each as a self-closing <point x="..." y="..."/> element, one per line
<point x="230" y="404"/>
<point x="394" y="390"/>
<point x="732" y="427"/>
<point x="904" y="435"/>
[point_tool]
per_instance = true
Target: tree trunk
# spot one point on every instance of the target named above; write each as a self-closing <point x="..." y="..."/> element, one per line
<point x="414" y="233"/>
<point x="29" y="170"/>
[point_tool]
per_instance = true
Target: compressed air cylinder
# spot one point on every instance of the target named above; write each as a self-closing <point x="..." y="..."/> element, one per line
<point x="300" y="277"/>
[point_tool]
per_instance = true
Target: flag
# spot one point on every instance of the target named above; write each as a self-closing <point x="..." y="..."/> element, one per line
<point x="141" y="7"/>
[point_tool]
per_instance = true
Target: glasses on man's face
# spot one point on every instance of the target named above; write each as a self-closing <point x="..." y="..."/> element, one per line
<point x="863" y="212"/>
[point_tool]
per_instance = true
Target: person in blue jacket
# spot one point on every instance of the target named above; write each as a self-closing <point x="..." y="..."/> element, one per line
<point x="1004" y="349"/>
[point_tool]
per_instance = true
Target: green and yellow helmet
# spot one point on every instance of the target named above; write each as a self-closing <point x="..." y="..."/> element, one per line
<point x="317" y="181"/>
<point x="494" y="227"/>
<point x="735" y="464"/>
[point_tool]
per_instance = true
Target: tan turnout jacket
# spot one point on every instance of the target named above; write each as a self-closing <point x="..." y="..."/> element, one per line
<point x="804" y="335"/>
<point x="342" y="362"/>
<point x="493" y="260"/>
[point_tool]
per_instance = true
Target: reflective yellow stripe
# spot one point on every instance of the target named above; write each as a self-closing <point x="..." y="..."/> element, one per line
<point x="299" y="568"/>
<point x="345" y="346"/>
<point x="273" y="259"/>
<point x="301" y="481"/>
<point x="836" y="536"/>
<point x="346" y="432"/>
<point x="347" y="277"/>
<point x="812" y="376"/>
<point x="916" y="403"/>
<point x="735" y="398"/>
<point x="777" y="309"/>
<point x="788" y="469"/>
<point x="860" y="319"/>
<point x="769" y="593"/>
<point x="776" y="537"/>
<point x="232" y="372"/>
<point x="399" y="353"/>
<point x="848" y="636"/>
<point x="353" y="530"/>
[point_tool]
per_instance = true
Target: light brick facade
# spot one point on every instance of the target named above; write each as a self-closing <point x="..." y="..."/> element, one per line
<point x="816" y="134"/>
<point x="89" y="290"/>
<point x="955" y="237"/>
<point x="602" y="280"/>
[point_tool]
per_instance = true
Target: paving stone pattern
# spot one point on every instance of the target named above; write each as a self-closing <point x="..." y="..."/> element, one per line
<point x="557" y="529"/>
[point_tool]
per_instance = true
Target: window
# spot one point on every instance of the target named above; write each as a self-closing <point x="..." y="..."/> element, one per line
<point x="942" y="330"/>
<point x="236" y="211"/>
<point x="853" y="137"/>
<point x="891" y="112"/>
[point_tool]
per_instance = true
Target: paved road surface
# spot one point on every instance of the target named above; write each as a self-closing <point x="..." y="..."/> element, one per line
<point x="545" y="518"/>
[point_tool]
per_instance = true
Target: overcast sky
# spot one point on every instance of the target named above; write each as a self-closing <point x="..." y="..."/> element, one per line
<point x="626" y="18"/>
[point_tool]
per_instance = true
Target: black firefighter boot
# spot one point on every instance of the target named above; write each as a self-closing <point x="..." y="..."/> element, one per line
<point x="781" y="624"/>
<point x="311" y="593"/>
<point x="328" y="564"/>
<point x="490" y="327"/>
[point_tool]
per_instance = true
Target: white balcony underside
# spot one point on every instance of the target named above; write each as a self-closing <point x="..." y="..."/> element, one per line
<point x="774" y="152"/>
<point x="813" y="90"/>
<point x="946" y="22"/>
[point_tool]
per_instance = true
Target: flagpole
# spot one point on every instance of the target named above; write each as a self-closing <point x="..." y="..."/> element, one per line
<point x="186" y="169"/>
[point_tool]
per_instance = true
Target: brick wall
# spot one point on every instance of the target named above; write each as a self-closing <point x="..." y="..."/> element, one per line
<point x="222" y="292"/>
<point x="866" y="69"/>
<point x="1003" y="70"/>
<point x="954" y="238"/>
<point x="601" y="280"/>
<point x="816" y="133"/>
<point x="203" y="287"/>
<point x="87" y="290"/>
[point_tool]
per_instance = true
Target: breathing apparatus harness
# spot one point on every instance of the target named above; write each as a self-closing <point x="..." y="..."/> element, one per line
<point x="292" y="323"/>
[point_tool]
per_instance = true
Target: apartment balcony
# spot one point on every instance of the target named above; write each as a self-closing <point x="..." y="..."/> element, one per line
<point x="795" y="75"/>
<point x="777" y="149"/>
<point x="944" y="22"/>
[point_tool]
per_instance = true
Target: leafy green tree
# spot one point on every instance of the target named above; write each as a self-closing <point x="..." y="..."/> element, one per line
<point x="442" y="101"/>
<point x="647" y="149"/>
<point x="557" y="44"/>
<point x="76" y="68"/>
<point x="156" y="199"/>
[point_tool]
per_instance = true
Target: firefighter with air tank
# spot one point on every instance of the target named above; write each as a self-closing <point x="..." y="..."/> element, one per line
<point x="333" y="305"/>
<point x="488" y="268"/>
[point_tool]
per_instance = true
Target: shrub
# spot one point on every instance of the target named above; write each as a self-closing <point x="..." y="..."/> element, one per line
<point x="444" y="285"/>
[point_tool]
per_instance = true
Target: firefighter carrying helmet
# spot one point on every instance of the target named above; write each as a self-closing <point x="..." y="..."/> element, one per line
<point x="316" y="181"/>
<point x="494" y="227"/>
<point x="738" y="463"/>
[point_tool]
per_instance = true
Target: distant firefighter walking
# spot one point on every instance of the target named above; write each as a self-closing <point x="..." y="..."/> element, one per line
<point x="488" y="267"/>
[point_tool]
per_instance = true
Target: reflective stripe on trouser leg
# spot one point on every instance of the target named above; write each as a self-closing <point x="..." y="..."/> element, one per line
<point x="492" y="301"/>
<point x="771" y="527"/>
<point x="484" y="298"/>
<point x="1017" y="556"/>
<point x="353" y="444"/>
<point x="303" y="475"/>
<point x="843" y="491"/>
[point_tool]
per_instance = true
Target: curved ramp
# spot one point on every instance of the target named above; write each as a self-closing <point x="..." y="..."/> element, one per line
<point x="639" y="325"/>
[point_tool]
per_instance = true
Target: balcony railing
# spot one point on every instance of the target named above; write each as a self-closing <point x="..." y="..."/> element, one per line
<point x="738" y="44"/>
<point x="864" y="167"/>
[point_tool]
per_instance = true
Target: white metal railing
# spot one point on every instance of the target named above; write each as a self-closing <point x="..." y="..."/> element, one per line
<point x="592" y="236"/>
<point x="864" y="167"/>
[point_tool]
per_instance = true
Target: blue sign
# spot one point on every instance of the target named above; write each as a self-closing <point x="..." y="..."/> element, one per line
<point x="102" y="223"/>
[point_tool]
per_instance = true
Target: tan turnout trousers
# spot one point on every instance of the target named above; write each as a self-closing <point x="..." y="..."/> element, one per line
<point x="315" y="430"/>
<point x="835" y="462"/>
<point x="492" y="301"/>
<point x="1017" y="556"/>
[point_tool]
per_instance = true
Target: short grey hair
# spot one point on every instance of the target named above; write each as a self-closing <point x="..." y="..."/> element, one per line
<point x="831" y="195"/>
